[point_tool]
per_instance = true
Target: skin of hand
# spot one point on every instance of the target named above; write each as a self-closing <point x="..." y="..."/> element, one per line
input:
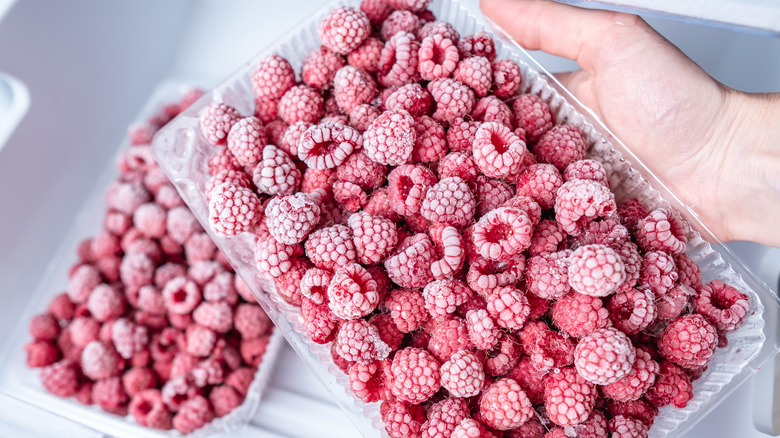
<point x="718" y="149"/>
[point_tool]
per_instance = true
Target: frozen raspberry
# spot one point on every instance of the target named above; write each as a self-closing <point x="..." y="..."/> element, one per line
<point x="410" y="265"/>
<point x="438" y="57"/>
<point x="136" y="380"/>
<point x="207" y="372"/>
<point x="453" y="99"/>
<point x="362" y="116"/>
<point x="352" y="87"/>
<point x="606" y="231"/>
<point x="288" y="284"/>
<point x="411" y="98"/>
<point x="661" y="230"/>
<point x="723" y="305"/>
<point x="233" y="209"/>
<point x="126" y="197"/>
<point x="149" y="410"/>
<point x="548" y="237"/>
<point x="587" y="169"/>
<point x="129" y="338"/>
<point x="407" y="308"/>
<point x="116" y="223"/>
<point x="240" y="379"/>
<point x="105" y="244"/>
<point x="44" y="327"/>
<point x="595" y="270"/>
<point x="398" y="22"/>
<point x="82" y="331"/>
<point x="504" y="405"/>
<point x="193" y="414"/>
<point x="409" y="5"/>
<point x="689" y="341"/>
<point x="402" y="420"/>
<point x="448" y="337"/>
<point x="529" y="378"/>
<point x="300" y="103"/>
<point x="502" y="358"/>
<point x="327" y="145"/>
<point x="180" y="224"/>
<point x="533" y="115"/>
<point x="203" y="271"/>
<point x="368" y="380"/>
<point x="507" y="78"/>
<point x="319" y="67"/>
<point x="350" y="195"/>
<point x="387" y="330"/>
<point x="508" y="307"/>
<point x="343" y="29"/>
<point x="461" y="134"/>
<point x="638" y="409"/>
<point x="483" y="332"/>
<point x="100" y="361"/>
<point x="252" y="350"/>
<point x="568" y="398"/>
<point x="594" y="427"/>
<point x="200" y="340"/>
<point x="449" y="246"/>
<point x="359" y="341"/>
<point x="560" y="146"/>
<point x="502" y="233"/>
<point x="636" y="382"/>
<point x="530" y="429"/>
<point x="292" y="137"/>
<point x="110" y="396"/>
<point x="314" y="284"/>
<point x="216" y="121"/>
<point x="430" y="145"/>
<point x="274" y="258"/>
<point x="632" y="311"/>
<point x="374" y="237"/>
<point x="181" y="295"/>
<point x="580" y="201"/>
<point x="673" y="303"/>
<point x="352" y="292"/>
<point x="176" y="391"/>
<point x="485" y="275"/>
<point x="478" y="44"/>
<point x="444" y="416"/>
<point x="631" y="211"/>
<point x="497" y="151"/>
<point x="449" y="201"/>
<point x="318" y="179"/>
<point x="251" y="321"/>
<point x="82" y="281"/>
<point x="359" y="169"/>
<point x="475" y="72"/>
<point x="458" y="164"/>
<point x="331" y="247"/>
<point x="408" y="185"/>
<point x="235" y="177"/>
<point x="672" y="386"/>
<point x="291" y="218"/>
<point x="266" y="109"/>
<point x="61" y="378"/>
<point x="367" y="55"/>
<point x="632" y="262"/>
<point x="462" y="375"/>
<point x="41" y="354"/>
<point x="579" y="315"/>
<point x="182" y="364"/>
<point x="414" y="375"/>
<point x="493" y="109"/>
<point x="246" y="140"/>
<point x="274" y="130"/>
<point x="216" y="316"/>
<point x="688" y="271"/>
<point x="605" y="356"/>
<point x="221" y="289"/>
<point x="390" y="138"/>
<point x="549" y="350"/>
<point x="627" y="427"/>
<point x="272" y="77"/>
<point x="224" y="399"/>
<point x="658" y="272"/>
<point x="398" y="61"/>
<point x="105" y="303"/>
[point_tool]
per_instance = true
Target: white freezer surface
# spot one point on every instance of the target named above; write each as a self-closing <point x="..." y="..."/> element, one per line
<point x="89" y="65"/>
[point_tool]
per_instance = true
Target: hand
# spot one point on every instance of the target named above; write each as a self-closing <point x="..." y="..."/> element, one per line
<point x="716" y="148"/>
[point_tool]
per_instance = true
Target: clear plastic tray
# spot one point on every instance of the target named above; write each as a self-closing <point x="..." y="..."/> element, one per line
<point x="183" y="152"/>
<point x="22" y="383"/>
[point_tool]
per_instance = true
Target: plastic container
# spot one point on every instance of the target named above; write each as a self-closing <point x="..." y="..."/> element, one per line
<point x="183" y="153"/>
<point x="14" y="103"/>
<point x="20" y="382"/>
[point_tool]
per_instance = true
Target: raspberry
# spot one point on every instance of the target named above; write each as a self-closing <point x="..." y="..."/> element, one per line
<point x="688" y="271"/>
<point x="533" y="115"/>
<point x="379" y="205"/>
<point x="689" y="341"/>
<point x="497" y="151"/>
<point x="475" y="72"/>
<point x="266" y="109"/>
<point x="508" y="307"/>
<point x="327" y="145"/>
<point x="444" y="417"/>
<point x="82" y="331"/>
<point x="387" y="330"/>
<point x="410" y="264"/>
<point x="291" y="218"/>
<point x="398" y="61"/>
<point x="246" y="139"/>
<point x="352" y="87"/>
<point x="568" y="398"/>
<point x="149" y="410"/>
<point x="105" y="303"/>
<point x="182" y="364"/>
<point x="548" y="237"/>
<point x="607" y="232"/>
<point x="390" y="138"/>
<point x="414" y="375"/>
<point x="148" y="218"/>
<point x="461" y="134"/>
<point x="540" y="182"/>
<point x="300" y="103"/>
<point x="658" y="272"/>
<point x="116" y="223"/>
<point x="627" y="427"/>
<point x="82" y="281"/>
<point x="448" y="337"/>
<point x="485" y="275"/>
<point x="530" y="429"/>
<point x="233" y="209"/>
<point x="61" y="378"/>
<point x="504" y="405"/>
<point x="579" y="315"/>
<point x="276" y="173"/>
<point x="483" y="332"/>
<point x="672" y="386"/>
<point x="272" y="77"/>
<point x="581" y="201"/>
<point x="110" y="396"/>
<point x="221" y="289"/>
<point x="367" y="55"/>
<point x="430" y="145"/>
<point x="409" y="5"/>
<point x="458" y="164"/>
<point x="412" y="98"/>
<point x="359" y="169"/>
<point x="362" y="116"/>
<point x="408" y="185"/>
<point x="181" y="295"/>
<point x="631" y="211"/>
<point x="251" y="321"/>
<point x="216" y="121"/>
<point x="129" y="338"/>
<point x="462" y="375"/>
<point x="216" y="316"/>
<point x="402" y="420"/>
<point x="507" y="78"/>
<point x="449" y="246"/>
<point x="252" y="350"/>
<point x="343" y="29"/>
<point x="374" y="237"/>
<point x="594" y="427"/>
<point x="352" y="292"/>
<point x="502" y="233"/>
<point x="671" y="305"/>
<point x="501" y="359"/>
<point x="235" y="177"/>
<point x="41" y="354"/>
<point x="453" y="99"/>
<point x="636" y="382"/>
<point x="292" y="137"/>
<point x="318" y="179"/>
<point x="400" y="22"/>
<point x="200" y="340"/>
<point x="319" y="67"/>
<point x="438" y="57"/>
<point x="331" y="247"/>
<point x="595" y="270"/>
<point x="723" y="305"/>
<point x="274" y="258"/>
<point x="368" y="380"/>
<point x="274" y="130"/>
<point x="661" y="230"/>
<point x="193" y="414"/>
<point x="314" y="284"/>
<point x="632" y="311"/>
<point x="44" y="327"/>
<point x="478" y="44"/>
<point x="207" y="372"/>
<point x="288" y="285"/>
<point x="449" y="201"/>
<point x="605" y="356"/>
<point x="100" y="361"/>
<point x="529" y="378"/>
<point x="240" y="379"/>
<point x="224" y="399"/>
<point x="638" y="409"/>
<point x="586" y="169"/>
<point x="560" y="146"/>
<point x="493" y="109"/>
<point x="180" y="224"/>
<point x="376" y="10"/>
<point x="407" y="309"/>
<point x="549" y="350"/>
<point x="136" y="380"/>
<point x="350" y="195"/>
<point x="359" y="341"/>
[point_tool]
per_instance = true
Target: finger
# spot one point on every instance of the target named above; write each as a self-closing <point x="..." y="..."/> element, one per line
<point x="580" y="83"/>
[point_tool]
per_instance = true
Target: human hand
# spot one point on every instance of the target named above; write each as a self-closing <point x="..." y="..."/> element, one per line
<point x="718" y="149"/>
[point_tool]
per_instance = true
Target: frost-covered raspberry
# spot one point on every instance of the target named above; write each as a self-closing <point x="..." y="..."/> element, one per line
<point x="627" y="427"/>
<point x="148" y="218"/>
<point x="661" y="230"/>
<point x="689" y="341"/>
<point x="504" y="405"/>
<point x="410" y="265"/>
<point x="502" y="233"/>
<point x="568" y="398"/>
<point x="292" y="137"/>
<point x="412" y="98"/>
<point x="233" y="209"/>
<point x="541" y="183"/>
<point x="251" y="321"/>
<point x="290" y="219"/>
<point x="272" y="77"/>
<point x="461" y="133"/>
<point x="273" y="258"/>
<point x="636" y="382"/>
<point x="409" y="5"/>
<point x="673" y="303"/>
<point x="100" y="361"/>
<point x="398" y="62"/>
<point x="407" y="309"/>
<point x="216" y="316"/>
<point x="407" y="188"/>
<point x="449" y="201"/>
<point x="497" y="150"/>
<point x="493" y="109"/>
<point x="44" y="327"/>
<point x="359" y="341"/>
<point x="390" y="138"/>
<point x="276" y="173"/>
<point x="400" y="21"/>
<point x="639" y="409"/>
<point x="533" y="115"/>
<point x="318" y="320"/>
<point x="438" y="57"/>
<point x="579" y="315"/>
<point x="587" y="169"/>
<point x="450" y="247"/>
<point x="288" y="285"/>
<point x="448" y="337"/>
<point x="605" y="356"/>
<point x="368" y="381"/>
<point x="658" y="272"/>
<point x="632" y="311"/>
<point x="331" y="247"/>
<point x="580" y="201"/>
<point x="327" y="145"/>
<point x="181" y="295"/>
<point x="314" y="284"/>
<point x="129" y="338"/>
<point x="672" y="386"/>
<point x="376" y="10"/>
<point x="508" y="307"/>
<point x="110" y="396"/>
<point x="549" y="349"/>
<point x="343" y="29"/>
<point x="470" y="428"/>
<point x="502" y="358"/>
<point x="367" y="55"/>
<point x="246" y="139"/>
<point x="300" y="103"/>
<point x="359" y="169"/>
<point x="193" y="414"/>
<point x="402" y="419"/>
<point x="560" y="146"/>
<point x="478" y="44"/>
<point x="688" y="271"/>
<point x="483" y="332"/>
<point x="236" y="177"/>
<point x="430" y="145"/>
<point x="476" y="73"/>
<point x="82" y="281"/>
<point x="458" y="164"/>
<point x="723" y="305"/>
<point x="319" y="67"/>
<point x="444" y="416"/>
<point x="352" y="292"/>
<point x="507" y="78"/>
<point x="595" y="270"/>
<point x="374" y="237"/>
<point x="362" y="116"/>
<point x="149" y="410"/>
<point x="453" y="99"/>
<point x="41" y="354"/>
<point x="414" y="375"/>
<point x="216" y="121"/>
<point x="105" y="303"/>
<point x="529" y="378"/>
<point x="462" y="375"/>
<point x="387" y="330"/>
<point x="352" y="87"/>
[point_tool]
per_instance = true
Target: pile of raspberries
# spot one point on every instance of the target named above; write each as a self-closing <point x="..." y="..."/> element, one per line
<point x="153" y="322"/>
<point x="468" y="265"/>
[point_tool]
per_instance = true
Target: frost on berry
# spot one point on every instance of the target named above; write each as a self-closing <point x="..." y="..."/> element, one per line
<point x="478" y="44"/>
<point x="498" y="152"/>
<point x="460" y="134"/>
<point x="634" y="384"/>
<point x="374" y="237"/>
<point x="412" y="98"/>
<point x="319" y="68"/>
<point x="398" y="62"/>
<point x="504" y="405"/>
<point x="331" y="247"/>
<point x="579" y="315"/>
<point x="449" y="246"/>
<point x="605" y="356"/>
<point x="560" y="146"/>
<point x="402" y="419"/>
<point x="580" y="201"/>
<point x="290" y="219"/>
<point x="246" y="140"/>
<point x="502" y="233"/>
<point x="689" y="341"/>
<point x="453" y="99"/>
<point x="288" y="284"/>
<point x="299" y="103"/>
<point x="390" y="138"/>
<point x="508" y="307"/>
<point x="627" y="427"/>
<point x="485" y="275"/>
<point x="448" y="337"/>
<point x="272" y="77"/>
<point x="672" y="386"/>
<point x="658" y="272"/>
<point x="327" y="145"/>
<point x="368" y="381"/>
<point x="568" y="398"/>
<point x="444" y="416"/>
<point x="541" y="183"/>
<point x="276" y="173"/>
<point x="442" y="297"/>
<point x="632" y="311"/>
<point x="353" y="86"/>
<point x="723" y="305"/>
<point x="407" y="188"/>
<point x="407" y="309"/>
<point x="233" y="209"/>
<point x="359" y="341"/>
<point x="450" y="201"/>
<point x="415" y="375"/>
<point x="430" y="145"/>
<point x="503" y="357"/>
<point x="507" y="78"/>
<point x="476" y="73"/>
<point x="661" y="230"/>
<point x="438" y="57"/>
<point x="352" y="292"/>
<point x="361" y="170"/>
<point x="216" y="121"/>
<point x="273" y="257"/>
<point x="410" y="265"/>
<point x="595" y="270"/>
<point x="400" y="21"/>
<point x="343" y="29"/>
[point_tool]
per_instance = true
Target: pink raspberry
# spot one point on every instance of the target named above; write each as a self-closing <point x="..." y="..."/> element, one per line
<point x="352" y="292"/>
<point x="462" y="375"/>
<point x="390" y="138"/>
<point x="402" y="420"/>
<point x="530" y="429"/>
<point x="376" y="10"/>
<point x="288" y="285"/>
<point x="240" y="379"/>
<point x="253" y="350"/>
<point x="100" y="361"/>
<point x="606" y="231"/>
<point x="224" y="399"/>
<point x="331" y="247"/>
<point x="438" y="57"/>
<point x="407" y="309"/>
<point x="409" y="5"/>
<point x="672" y="386"/>
<point x="458" y="164"/>
<point x="671" y="305"/>
<point x="61" y="378"/>
<point x="504" y="405"/>
<point x="276" y="173"/>
<point x="274" y="130"/>
<point x="368" y="380"/>
<point x="291" y="218"/>
<point x="453" y="99"/>
<point x="636" y="382"/>
<point x="216" y="121"/>
<point x="689" y="341"/>
<point x="221" y="289"/>
<point x="414" y="375"/>
<point x="412" y="98"/>
<point x="362" y="116"/>
<point x="688" y="271"/>
<point x="319" y="67"/>
<point x="410" y="264"/>
<point x="638" y="409"/>
<point x="387" y="330"/>
<point x="502" y="233"/>
<point x="475" y="72"/>
<point x="627" y="427"/>
<point x="430" y="145"/>
<point x="181" y="224"/>
<point x="110" y="396"/>
<point x="367" y="55"/>
<point x="449" y="201"/>
<point x="379" y="205"/>
<point x="723" y="305"/>
<point x="359" y="169"/>
<point x="266" y="109"/>
<point x="439" y="28"/>
<point x="587" y="169"/>
<point x="483" y="332"/>
<point x="136" y="270"/>
<point x="497" y="151"/>
<point x="126" y="197"/>
<point x="314" y="284"/>
<point x="560" y="146"/>
<point x="530" y="379"/>
<point x="246" y="139"/>
<point x="316" y="179"/>
<point x="661" y="230"/>
<point x="235" y="177"/>
<point x="374" y="237"/>
<point x="274" y="258"/>
<point x="631" y="211"/>
<point x="82" y="281"/>
<point x="327" y="145"/>
<point x="605" y="356"/>
<point x="533" y="115"/>
<point x="502" y="358"/>
<point x="216" y="316"/>
<point x="292" y="137"/>
<point x="400" y="21"/>
<point x="359" y="341"/>
<point x="448" y="337"/>
<point x="540" y="182"/>
<point x="580" y="201"/>
<point x="632" y="311"/>
<point x="129" y="338"/>
<point x="82" y="330"/>
<point x="595" y="270"/>
<point x="449" y="246"/>
<point x="343" y="29"/>
<point x="408" y="185"/>
<point x="350" y="195"/>
<point x="200" y="340"/>
<point x="208" y="372"/>
<point x="106" y="303"/>
<point x="193" y="414"/>
<point x="508" y="307"/>
<point x="181" y="295"/>
<point x="548" y="237"/>
<point x="568" y="398"/>
<point x="116" y="223"/>
<point x="149" y="410"/>
<point x="398" y="62"/>
<point x="233" y="209"/>
<point x="44" y="327"/>
<point x="549" y="350"/>
<point x="251" y="321"/>
<point x="658" y="272"/>
<point x="300" y="103"/>
<point x="632" y="262"/>
<point x="352" y="87"/>
<point x="485" y="275"/>
<point x="444" y="416"/>
<point x="182" y="364"/>
<point x="149" y="219"/>
<point x="478" y="44"/>
<point x="272" y="77"/>
<point x="579" y="315"/>
<point x="41" y="354"/>
<point x="507" y="78"/>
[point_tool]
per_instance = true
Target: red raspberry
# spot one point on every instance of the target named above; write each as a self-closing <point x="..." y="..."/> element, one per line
<point x="402" y="420"/>
<point x="439" y="28"/>
<point x="216" y="121"/>
<point x="100" y="361"/>
<point x="632" y="311"/>
<point x="272" y="77"/>
<point x="224" y="399"/>
<point x="207" y="372"/>
<point x="497" y="151"/>
<point x="276" y="173"/>
<point x="314" y="284"/>
<point x="343" y="29"/>
<point x="671" y="305"/>
<point x="438" y="57"/>
<point x="367" y="55"/>
<point x="352" y="87"/>
<point x="409" y="5"/>
<point x="274" y="258"/>
<point x="533" y="115"/>
<point x="148" y="218"/>
<point x="110" y="396"/>
<point x="251" y="321"/>
<point x="414" y="375"/>
<point x="288" y="285"/>
<point x="636" y="382"/>
<point x="672" y="385"/>
<point x="82" y="331"/>
<point x="136" y="380"/>
<point x="501" y="359"/>
<point x="246" y="139"/>
<point x="627" y="427"/>
<point x="408" y="185"/>
<point x="327" y="145"/>
<point x="687" y="270"/>
<point x="362" y="116"/>
<point x="594" y="427"/>
<point x="410" y="264"/>
<point x="579" y="315"/>
<point x="504" y="405"/>
<point x="291" y="218"/>
<point x="453" y="99"/>
<point x="274" y="130"/>
<point x="595" y="270"/>
<point x="374" y="237"/>
<point x="400" y="22"/>
<point x="181" y="224"/>
<point x="449" y="246"/>
<point x="253" y="350"/>
<point x="508" y="307"/>
<point x="292" y="137"/>
<point x="149" y="410"/>
<point x="560" y="146"/>
<point x="359" y="341"/>
<point x="182" y="364"/>
<point x="485" y="275"/>
<point x="540" y="182"/>
<point x="449" y="201"/>
<point x="470" y="428"/>
<point x="462" y="374"/>
<point x="376" y="10"/>
<point x="658" y="272"/>
<point x="82" y="281"/>
<point x="407" y="308"/>
<point x="458" y="164"/>
<point x="181" y="295"/>
<point x="300" y="103"/>
<point x="689" y="341"/>
<point x="475" y="72"/>
<point x="586" y="169"/>
<point x="605" y="356"/>
<point x="352" y="292"/>
<point x="493" y="109"/>
<point x="359" y="169"/>
<point x="661" y="230"/>
<point x="331" y="247"/>
<point x="507" y="78"/>
<point x="412" y="98"/>
<point x="233" y="209"/>
<point x="126" y="197"/>
<point x="398" y="62"/>
<point x="502" y="233"/>
<point x="568" y="398"/>
<point x="631" y="211"/>
<point x="607" y="232"/>
<point x="221" y="289"/>
<point x="240" y="379"/>
<point x="723" y="305"/>
<point x="368" y="380"/>
<point x="41" y="354"/>
<point x="44" y="327"/>
<point x="266" y="109"/>
<point x="638" y="409"/>
<point x="319" y="67"/>
<point x="530" y="429"/>
<point x="483" y="332"/>
<point x="129" y="338"/>
<point x="461" y="134"/>
<point x="529" y="378"/>
<point x="61" y="378"/>
<point x="235" y="177"/>
<point x="444" y="417"/>
<point x="350" y="195"/>
<point x="216" y="316"/>
<point x="430" y="145"/>
<point x="632" y="262"/>
<point x="390" y="138"/>
<point x="580" y="201"/>
<point x="316" y="179"/>
<point x="193" y="414"/>
<point x="549" y="350"/>
<point x="478" y="44"/>
<point x="548" y="237"/>
<point x="105" y="303"/>
<point x="379" y="205"/>
<point x="200" y="340"/>
<point x="448" y="337"/>
<point x="176" y="391"/>
<point x="387" y="330"/>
